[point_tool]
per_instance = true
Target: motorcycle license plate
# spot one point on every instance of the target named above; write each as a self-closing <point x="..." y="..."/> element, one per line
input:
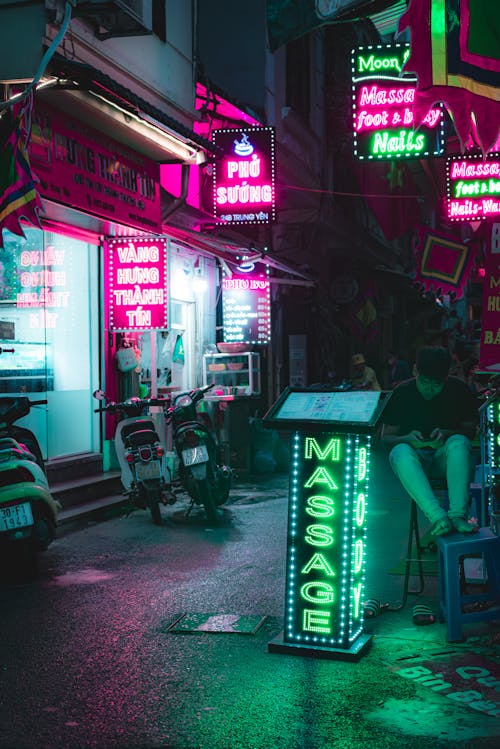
<point x="149" y="470"/>
<point x="191" y="456"/>
<point x="15" y="516"/>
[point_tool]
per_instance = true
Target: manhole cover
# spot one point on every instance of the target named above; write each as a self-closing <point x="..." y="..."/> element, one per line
<point x="229" y="623"/>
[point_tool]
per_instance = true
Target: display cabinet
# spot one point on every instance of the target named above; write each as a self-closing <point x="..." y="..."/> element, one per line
<point x="233" y="374"/>
<point x="28" y="369"/>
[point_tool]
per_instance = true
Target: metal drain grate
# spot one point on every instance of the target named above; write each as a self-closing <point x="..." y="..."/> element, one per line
<point x="221" y="623"/>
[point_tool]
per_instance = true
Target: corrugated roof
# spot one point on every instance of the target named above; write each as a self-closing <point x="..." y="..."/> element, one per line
<point x="91" y="79"/>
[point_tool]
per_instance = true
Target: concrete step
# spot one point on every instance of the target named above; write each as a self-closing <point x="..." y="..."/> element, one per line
<point x="93" y="508"/>
<point x="82" y="490"/>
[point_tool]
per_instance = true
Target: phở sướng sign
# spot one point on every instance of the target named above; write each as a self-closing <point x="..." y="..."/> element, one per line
<point x="136" y="283"/>
<point x="244" y="176"/>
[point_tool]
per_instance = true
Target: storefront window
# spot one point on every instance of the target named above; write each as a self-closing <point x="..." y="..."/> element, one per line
<point x="49" y="315"/>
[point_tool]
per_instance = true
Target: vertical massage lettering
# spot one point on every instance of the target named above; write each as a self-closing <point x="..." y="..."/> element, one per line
<point x="326" y="547"/>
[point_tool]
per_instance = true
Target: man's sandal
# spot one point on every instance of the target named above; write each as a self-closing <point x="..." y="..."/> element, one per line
<point x="422" y="614"/>
<point x="442" y="527"/>
<point x="461" y="525"/>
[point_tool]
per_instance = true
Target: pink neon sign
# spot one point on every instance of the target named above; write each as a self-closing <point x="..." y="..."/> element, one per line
<point x="136" y="293"/>
<point x="244" y="181"/>
<point x="246" y="309"/>
<point x="473" y="187"/>
<point x="384" y="124"/>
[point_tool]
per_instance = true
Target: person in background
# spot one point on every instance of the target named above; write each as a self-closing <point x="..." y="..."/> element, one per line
<point x="398" y="369"/>
<point x="428" y="424"/>
<point x="364" y="377"/>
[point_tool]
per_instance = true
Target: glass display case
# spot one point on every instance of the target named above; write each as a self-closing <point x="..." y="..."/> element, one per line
<point x="28" y="369"/>
<point x="232" y="374"/>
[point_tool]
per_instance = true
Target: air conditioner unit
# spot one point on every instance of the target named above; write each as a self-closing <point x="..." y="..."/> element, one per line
<point x="114" y="18"/>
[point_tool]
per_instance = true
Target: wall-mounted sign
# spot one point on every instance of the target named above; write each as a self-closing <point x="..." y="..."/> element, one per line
<point x="244" y="176"/>
<point x="383" y="120"/>
<point x="83" y="168"/>
<point x="473" y="187"/>
<point x="136" y="283"/>
<point x="246" y="309"/>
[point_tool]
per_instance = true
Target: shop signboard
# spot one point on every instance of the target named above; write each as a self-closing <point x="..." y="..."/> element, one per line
<point x="328" y="497"/>
<point x="246" y="308"/>
<point x="383" y="120"/>
<point x="473" y="187"/>
<point x="244" y="176"/>
<point x="84" y="168"/>
<point x="489" y="347"/>
<point x="136" y="283"/>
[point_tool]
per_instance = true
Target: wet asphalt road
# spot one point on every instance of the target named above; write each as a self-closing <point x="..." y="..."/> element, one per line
<point x="86" y="660"/>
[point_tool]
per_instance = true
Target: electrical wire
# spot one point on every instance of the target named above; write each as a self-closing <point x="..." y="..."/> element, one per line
<point x="44" y="61"/>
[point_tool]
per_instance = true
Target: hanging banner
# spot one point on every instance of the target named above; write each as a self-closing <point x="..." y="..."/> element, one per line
<point x="84" y="168"/>
<point x="442" y="263"/>
<point x="244" y="176"/>
<point x="454" y="53"/>
<point x="383" y="119"/>
<point x="135" y="272"/>
<point x="489" y="348"/>
<point x="473" y="187"/>
<point x="246" y="309"/>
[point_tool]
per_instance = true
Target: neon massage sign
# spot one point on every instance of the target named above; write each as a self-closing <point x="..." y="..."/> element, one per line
<point x="473" y="187"/>
<point x="383" y="95"/>
<point x="136" y="278"/>
<point x="244" y="176"/>
<point x="326" y="552"/>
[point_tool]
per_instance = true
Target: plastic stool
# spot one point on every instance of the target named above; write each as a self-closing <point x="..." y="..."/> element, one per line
<point x="451" y="598"/>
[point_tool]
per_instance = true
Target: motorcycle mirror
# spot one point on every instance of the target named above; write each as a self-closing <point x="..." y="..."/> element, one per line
<point x="99" y="394"/>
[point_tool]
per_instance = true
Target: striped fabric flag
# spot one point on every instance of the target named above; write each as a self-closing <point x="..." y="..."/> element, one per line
<point x="19" y="198"/>
<point x="455" y="52"/>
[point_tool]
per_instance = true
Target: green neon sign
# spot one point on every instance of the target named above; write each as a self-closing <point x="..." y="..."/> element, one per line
<point x="326" y="552"/>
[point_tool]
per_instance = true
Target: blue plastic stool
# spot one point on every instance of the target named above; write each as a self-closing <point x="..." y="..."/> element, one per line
<point x="451" y="599"/>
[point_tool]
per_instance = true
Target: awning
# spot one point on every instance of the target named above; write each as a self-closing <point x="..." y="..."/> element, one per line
<point x="231" y="253"/>
<point x="99" y="101"/>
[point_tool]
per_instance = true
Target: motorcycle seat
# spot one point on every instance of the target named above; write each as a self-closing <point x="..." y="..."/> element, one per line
<point x="141" y="437"/>
<point x="136" y="426"/>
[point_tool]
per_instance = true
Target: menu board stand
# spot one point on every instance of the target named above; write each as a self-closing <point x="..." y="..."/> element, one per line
<point x="326" y="539"/>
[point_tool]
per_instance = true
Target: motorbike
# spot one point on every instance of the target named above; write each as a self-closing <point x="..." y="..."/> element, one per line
<point x="206" y="482"/>
<point x="140" y="453"/>
<point x="28" y="512"/>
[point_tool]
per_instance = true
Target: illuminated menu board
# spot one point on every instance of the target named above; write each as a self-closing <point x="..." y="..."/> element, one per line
<point x="473" y="187"/>
<point x="136" y="283"/>
<point x="383" y="95"/>
<point x="246" y="309"/>
<point x="244" y="176"/>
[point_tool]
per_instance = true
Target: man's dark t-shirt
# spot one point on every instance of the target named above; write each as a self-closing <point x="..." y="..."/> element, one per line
<point x="407" y="409"/>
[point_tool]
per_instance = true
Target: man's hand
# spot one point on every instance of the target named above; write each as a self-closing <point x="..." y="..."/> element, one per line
<point x="438" y="435"/>
<point x="415" y="438"/>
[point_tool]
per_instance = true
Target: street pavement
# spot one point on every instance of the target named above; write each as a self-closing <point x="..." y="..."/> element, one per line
<point x="93" y="652"/>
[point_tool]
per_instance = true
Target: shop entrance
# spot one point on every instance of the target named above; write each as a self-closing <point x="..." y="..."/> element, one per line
<point x="49" y="316"/>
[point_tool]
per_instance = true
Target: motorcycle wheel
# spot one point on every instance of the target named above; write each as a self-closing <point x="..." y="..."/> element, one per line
<point x="154" y="506"/>
<point x="207" y="498"/>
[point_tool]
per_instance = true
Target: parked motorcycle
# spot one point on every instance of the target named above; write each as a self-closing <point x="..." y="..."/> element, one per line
<point x="206" y="482"/>
<point x="140" y="453"/>
<point x="28" y="512"/>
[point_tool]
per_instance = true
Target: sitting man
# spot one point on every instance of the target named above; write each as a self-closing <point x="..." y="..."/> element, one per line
<point x="428" y="423"/>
